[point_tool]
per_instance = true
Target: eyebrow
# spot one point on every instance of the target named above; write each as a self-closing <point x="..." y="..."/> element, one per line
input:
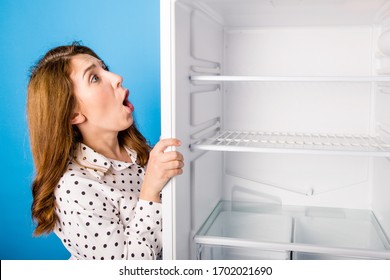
<point x="89" y="68"/>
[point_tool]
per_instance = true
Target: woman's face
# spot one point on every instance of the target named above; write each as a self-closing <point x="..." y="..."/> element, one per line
<point x="101" y="99"/>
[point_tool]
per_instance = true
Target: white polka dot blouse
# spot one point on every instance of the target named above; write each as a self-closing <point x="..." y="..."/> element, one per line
<point x="100" y="214"/>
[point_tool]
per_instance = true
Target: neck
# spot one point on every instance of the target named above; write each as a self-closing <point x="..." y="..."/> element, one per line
<point x="107" y="145"/>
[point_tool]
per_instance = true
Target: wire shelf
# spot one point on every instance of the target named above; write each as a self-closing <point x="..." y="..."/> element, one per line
<point x="294" y="142"/>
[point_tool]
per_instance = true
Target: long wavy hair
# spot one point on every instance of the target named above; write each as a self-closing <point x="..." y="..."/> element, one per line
<point x="50" y="102"/>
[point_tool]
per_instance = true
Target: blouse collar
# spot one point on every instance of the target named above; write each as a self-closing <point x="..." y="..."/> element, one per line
<point x="97" y="164"/>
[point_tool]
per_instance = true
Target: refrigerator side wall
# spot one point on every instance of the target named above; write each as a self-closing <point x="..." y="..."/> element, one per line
<point x="206" y="47"/>
<point x="381" y="104"/>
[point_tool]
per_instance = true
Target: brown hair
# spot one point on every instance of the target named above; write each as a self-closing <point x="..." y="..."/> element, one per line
<point x="50" y="101"/>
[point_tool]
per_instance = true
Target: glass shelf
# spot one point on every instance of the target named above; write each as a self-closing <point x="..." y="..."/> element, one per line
<point x="269" y="231"/>
<point x="221" y="78"/>
<point x="284" y="142"/>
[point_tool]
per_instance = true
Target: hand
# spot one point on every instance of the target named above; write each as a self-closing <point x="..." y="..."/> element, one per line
<point x="162" y="166"/>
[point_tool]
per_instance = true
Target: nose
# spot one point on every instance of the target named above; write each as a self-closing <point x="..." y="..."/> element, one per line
<point x="116" y="80"/>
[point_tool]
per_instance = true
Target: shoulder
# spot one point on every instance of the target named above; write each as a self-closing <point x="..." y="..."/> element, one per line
<point x="74" y="175"/>
<point x="77" y="186"/>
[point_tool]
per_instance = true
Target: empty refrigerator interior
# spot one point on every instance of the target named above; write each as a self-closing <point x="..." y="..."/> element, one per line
<point x="282" y="108"/>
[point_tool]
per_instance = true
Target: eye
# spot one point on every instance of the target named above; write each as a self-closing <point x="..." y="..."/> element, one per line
<point x="94" y="79"/>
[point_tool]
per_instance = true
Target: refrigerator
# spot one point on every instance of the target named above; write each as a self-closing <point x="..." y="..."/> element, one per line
<point x="283" y="110"/>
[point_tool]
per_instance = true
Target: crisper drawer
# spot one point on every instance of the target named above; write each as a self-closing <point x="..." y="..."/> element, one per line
<point x="216" y="252"/>
<point x="231" y="234"/>
<point x="335" y="233"/>
<point x="240" y="230"/>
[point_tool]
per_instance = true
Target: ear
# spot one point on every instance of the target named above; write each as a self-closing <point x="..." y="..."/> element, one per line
<point x="77" y="118"/>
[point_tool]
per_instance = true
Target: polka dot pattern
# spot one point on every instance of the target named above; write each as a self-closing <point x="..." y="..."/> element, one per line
<point x="100" y="214"/>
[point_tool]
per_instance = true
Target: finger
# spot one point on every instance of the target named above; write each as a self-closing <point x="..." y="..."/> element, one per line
<point x="174" y="172"/>
<point x="174" y="165"/>
<point x="163" y="144"/>
<point x="170" y="156"/>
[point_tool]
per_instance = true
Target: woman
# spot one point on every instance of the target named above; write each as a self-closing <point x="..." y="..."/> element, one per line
<point x="91" y="187"/>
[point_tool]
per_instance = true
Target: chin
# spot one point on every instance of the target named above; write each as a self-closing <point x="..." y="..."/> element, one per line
<point x="129" y="124"/>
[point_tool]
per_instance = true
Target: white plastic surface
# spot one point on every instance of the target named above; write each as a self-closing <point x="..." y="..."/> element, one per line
<point x="295" y="12"/>
<point x="384" y="42"/>
<point x="205" y="106"/>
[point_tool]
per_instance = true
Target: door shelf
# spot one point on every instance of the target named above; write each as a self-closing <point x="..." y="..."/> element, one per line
<point x="284" y="142"/>
<point x="267" y="231"/>
<point x="221" y="78"/>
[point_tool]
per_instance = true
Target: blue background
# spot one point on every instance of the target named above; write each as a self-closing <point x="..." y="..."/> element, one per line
<point x="124" y="33"/>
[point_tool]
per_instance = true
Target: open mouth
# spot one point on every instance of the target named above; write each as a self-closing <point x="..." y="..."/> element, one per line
<point x="127" y="103"/>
